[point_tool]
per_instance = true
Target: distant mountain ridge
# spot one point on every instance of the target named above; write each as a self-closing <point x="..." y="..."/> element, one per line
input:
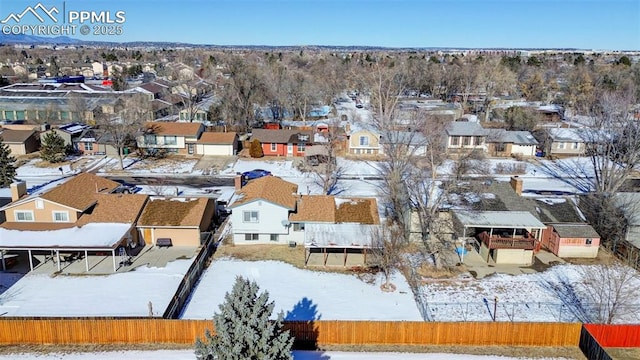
<point x="65" y="40"/>
<point x="32" y="39"/>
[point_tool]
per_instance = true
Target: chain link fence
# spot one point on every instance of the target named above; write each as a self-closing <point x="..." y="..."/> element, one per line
<point x="496" y="310"/>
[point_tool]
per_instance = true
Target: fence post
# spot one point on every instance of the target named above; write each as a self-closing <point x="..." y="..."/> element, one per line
<point x="495" y="307"/>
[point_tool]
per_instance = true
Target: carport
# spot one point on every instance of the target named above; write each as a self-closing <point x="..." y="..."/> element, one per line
<point x="95" y="237"/>
<point x="341" y="238"/>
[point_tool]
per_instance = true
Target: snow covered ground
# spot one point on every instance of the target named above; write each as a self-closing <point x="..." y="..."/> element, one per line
<point x="125" y="294"/>
<point x="305" y="294"/>
<point x="557" y="294"/>
<point x="166" y="166"/>
<point x="297" y="355"/>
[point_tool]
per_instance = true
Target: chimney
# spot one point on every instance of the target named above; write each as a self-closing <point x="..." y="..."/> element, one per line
<point x="18" y="190"/>
<point x="516" y="184"/>
<point x="237" y="182"/>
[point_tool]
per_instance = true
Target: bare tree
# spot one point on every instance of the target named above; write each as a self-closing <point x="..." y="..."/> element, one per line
<point x="122" y="126"/>
<point x="387" y="244"/>
<point x="244" y="88"/>
<point x="612" y="289"/>
<point x="327" y="171"/>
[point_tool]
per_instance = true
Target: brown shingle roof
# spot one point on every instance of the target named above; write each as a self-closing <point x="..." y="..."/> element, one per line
<point x="15" y="136"/>
<point x="174" y="212"/>
<point x="329" y="209"/>
<point x="225" y="138"/>
<point x="173" y="128"/>
<point x="362" y="211"/>
<point x="282" y="136"/>
<point x="114" y="208"/>
<point x="79" y="192"/>
<point x="269" y="188"/>
<point x="316" y="208"/>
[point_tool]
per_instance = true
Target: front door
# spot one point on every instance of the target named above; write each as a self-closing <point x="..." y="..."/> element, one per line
<point x="290" y="149"/>
<point x="190" y="148"/>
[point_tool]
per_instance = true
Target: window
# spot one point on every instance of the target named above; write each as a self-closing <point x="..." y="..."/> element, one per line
<point x="190" y="148"/>
<point x="64" y="115"/>
<point x="364" y="141"/>
<point x="170" y="140"/>
<point x="455" y="140"/>
<point x="250" y="216"/>
<point x="251" y="237"/>
<point x="574" y="145"/>
<point x="150" y="139"/>
<point x="88" y="146"/>
<point x="500" y="147"/>
<point x="60" y="216"/>
<point x="466" y="140"/>
<point x="589" y="241"/>
<point x="274" y="237"/>
<point x="9" y="115"/>
<point x="19" y="115"/>
<point x="24" y="215"/>
<point x="301" y="147"/>
<point x="560" y="145"/>
<point x="298" y="227"/>
<point x="39" y="204"/>
<point x="274" y="147"/>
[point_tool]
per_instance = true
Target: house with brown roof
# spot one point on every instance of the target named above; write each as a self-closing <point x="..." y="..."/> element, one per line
<point x="20" y="142"/>
<point x="172" y="137"/>
<point x="283" y="142"/>
<point x="217" y="143"/>
<point x="176" y="221"/>
<point x="268" y="210"/>
<point x="82" y="215"/>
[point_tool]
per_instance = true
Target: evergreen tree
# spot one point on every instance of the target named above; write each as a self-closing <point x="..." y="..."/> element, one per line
<point x="7" y="165"/>
<point x="53" y="148"/>
<point x="243" y="330"/>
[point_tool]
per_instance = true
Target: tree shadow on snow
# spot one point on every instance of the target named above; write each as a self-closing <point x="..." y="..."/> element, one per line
<point x="573" y="307"/>
<point x="300" y="320"/>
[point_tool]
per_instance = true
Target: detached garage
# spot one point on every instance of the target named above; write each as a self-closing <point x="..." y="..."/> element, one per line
<point x="176" y="221"/>
<point x="217" y="144"/>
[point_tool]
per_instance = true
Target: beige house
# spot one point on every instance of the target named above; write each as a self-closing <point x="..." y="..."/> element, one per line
<point x="20" y="142"/>
<point x="172" y="137"/>
<point x="176" y="221"/>
<point x="563" y="142"/>
<point x="82" y="215"/>
<point x="362" y="140"/>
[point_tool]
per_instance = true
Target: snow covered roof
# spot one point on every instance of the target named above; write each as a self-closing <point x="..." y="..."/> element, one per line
<point x="95" y="235"/>
<point x="498" y="219"/>
<point x="339" y="235"/>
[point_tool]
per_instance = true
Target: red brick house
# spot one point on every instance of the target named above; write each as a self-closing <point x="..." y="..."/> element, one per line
<point x="283" y="142"/>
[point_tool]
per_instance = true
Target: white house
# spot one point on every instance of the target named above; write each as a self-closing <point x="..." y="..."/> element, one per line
<point x="260" y="211"/>
<point x="268" y="210"/>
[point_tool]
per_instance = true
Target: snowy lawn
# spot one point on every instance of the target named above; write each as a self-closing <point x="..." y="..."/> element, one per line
<point x="125" y="294"/>
<point x="557" y="294"/>
<point x="37" y="167"/>
<point x="297" y="355"/>
<point x="305" y="294"/>
<point x="167" y="166"/>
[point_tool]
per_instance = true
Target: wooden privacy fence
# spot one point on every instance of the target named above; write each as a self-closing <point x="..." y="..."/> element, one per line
<point x="146" y="330"/>
<point x="615" y="335"/>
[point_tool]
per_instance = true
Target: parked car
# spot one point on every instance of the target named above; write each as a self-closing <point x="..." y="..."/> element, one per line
<point x="254" y="174"/>
<point x="126" y="188"/>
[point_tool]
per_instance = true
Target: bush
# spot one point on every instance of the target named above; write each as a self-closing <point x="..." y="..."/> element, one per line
<point x="255" y="150"/>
